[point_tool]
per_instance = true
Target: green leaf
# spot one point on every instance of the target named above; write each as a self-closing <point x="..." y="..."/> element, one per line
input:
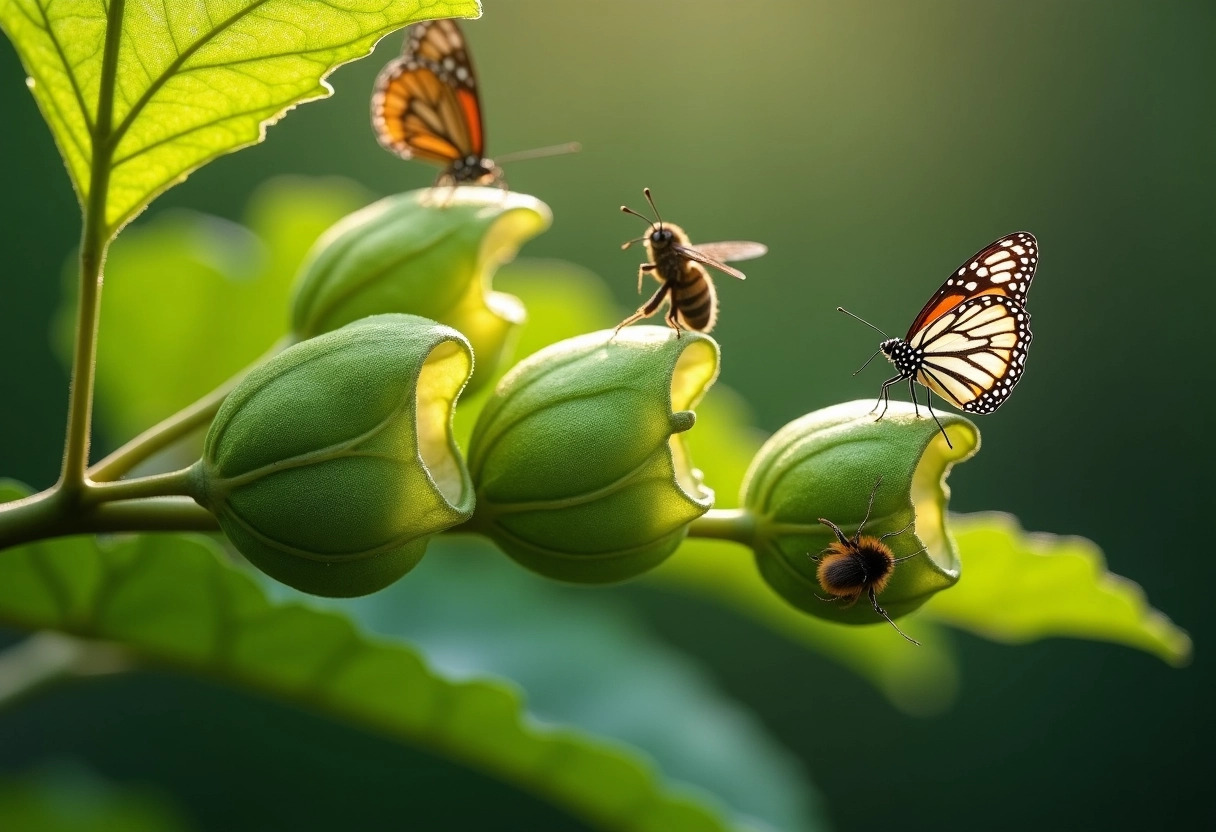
<point x="65" y="798"/>
<point x="172" y="600"/>
<point x="148" y="92"/>
<point x="1019" y="587"/>
<point x="473" y="612"/>
<point x="563" y="300"/>
<point x="196" y="270"/>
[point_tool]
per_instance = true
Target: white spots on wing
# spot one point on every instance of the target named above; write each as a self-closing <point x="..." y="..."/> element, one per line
<point x="970" y="286"/>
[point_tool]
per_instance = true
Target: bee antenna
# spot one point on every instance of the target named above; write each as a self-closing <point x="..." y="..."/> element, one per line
<point x="626" y="209"/>
<point x="628" y="243"/>
<point x="864" y="321"/>
<point x="653" y="207"/>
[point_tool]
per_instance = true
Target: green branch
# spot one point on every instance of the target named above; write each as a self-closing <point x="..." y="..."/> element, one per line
<point x="735" y="524"/>
<point x="95" y="238"/>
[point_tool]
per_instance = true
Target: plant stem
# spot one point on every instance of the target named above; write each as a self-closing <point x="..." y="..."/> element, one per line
<point x="734" y="524"/>
<point x="94" y="239"/>
<point x="171" y="484"/>
<point x="176" y="427"/>
<point x="42" y="517"/>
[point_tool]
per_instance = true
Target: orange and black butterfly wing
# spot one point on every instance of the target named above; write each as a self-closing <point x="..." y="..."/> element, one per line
<point x="1004" y="268"/>
<point x="425" y="103"/>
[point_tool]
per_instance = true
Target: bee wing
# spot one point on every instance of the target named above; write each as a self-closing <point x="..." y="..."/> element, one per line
<point x="693" y="254"/>
<point x="732" y="250"/>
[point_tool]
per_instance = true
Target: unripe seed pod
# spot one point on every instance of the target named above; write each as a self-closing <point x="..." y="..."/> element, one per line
<point x="825" y="465"/>
<point x="580" y="469"/>
<point x="430" y="253"/>
<point x="331" y="464"/>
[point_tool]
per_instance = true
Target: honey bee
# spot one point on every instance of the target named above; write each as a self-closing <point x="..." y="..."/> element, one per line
<point x="679" y="266"/>
<point x="861" y="564"/>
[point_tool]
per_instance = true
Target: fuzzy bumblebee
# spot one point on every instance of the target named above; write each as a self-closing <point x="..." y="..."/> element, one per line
<point x="859" y="564"/>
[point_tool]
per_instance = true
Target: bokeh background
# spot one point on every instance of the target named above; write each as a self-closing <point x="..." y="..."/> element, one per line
<point x="873" y="146"/>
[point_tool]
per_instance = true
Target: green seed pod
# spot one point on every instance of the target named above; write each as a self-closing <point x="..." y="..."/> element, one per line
<point x="580" y="469"/>
<point x="431" y="253"/>
<point x="331" y="464"/>
<point x="826" y="465"/>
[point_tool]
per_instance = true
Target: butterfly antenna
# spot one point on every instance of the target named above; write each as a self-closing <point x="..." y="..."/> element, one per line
<point x="541" y="152"/>
<point x="653" y="207"/>
<point x="864" y="321"/>
<point x="868" y="360"/>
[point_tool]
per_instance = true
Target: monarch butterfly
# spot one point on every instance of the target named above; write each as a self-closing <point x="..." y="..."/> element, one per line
<point x="969" y="342"/>
<point x="679" y="266"/>
<point x="425" y="105"/>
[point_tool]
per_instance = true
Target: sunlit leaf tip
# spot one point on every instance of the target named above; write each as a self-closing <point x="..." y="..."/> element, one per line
<point x="1020" y="586"/>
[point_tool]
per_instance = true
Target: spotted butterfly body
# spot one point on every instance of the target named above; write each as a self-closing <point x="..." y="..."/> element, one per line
<point x="425" y="106"/>
<point x="969" y="342"/>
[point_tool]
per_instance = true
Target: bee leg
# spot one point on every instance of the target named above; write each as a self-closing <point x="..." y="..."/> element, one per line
<point x="929" y="403"/>
<point x="643" y="270"/>
<point x="839" y="534"/>
<point x="896" y="534"/>
<point x="673" y="322"/>
<point x="884" y="397"/>
<point x="647" y="310"/>
<point x="827" y="598"/>
<point x="883" y="613"/>
<point x="914" y="554"/>
<point x="869" y="507"/>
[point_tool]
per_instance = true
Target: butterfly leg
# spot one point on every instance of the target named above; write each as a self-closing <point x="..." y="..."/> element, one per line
<point x="929" y="403"/>
<point x="915" y="403"/>
<point x="643" y="270"/>
<point x="884" y="397"/>
<point x="646" y="311"/>
<point x="883" y="613"/>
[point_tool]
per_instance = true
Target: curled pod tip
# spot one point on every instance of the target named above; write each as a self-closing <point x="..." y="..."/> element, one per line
<point x="826" y="465"/>
<point x="331" y="464"/>
<point x="580" y="467"/>
<point x="432" y="253"/>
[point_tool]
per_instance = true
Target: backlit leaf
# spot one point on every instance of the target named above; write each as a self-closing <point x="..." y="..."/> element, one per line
<point x="148" y="92"/>
<point x="173" y="601"/>
<point x="1019" y="586"/>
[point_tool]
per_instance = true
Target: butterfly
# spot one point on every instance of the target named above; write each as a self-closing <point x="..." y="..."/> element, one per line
<point x="425" y="106"/>
<point x="969" y="342"/>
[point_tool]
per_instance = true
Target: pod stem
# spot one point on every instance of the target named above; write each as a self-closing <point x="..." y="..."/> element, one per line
<point x="734" y="524"/>
<point x="176" y="427"/>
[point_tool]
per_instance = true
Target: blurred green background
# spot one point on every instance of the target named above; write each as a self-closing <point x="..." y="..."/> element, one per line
<point x="873" y="146"/>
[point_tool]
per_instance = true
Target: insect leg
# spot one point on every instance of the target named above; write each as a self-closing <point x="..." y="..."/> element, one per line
<point x="939" y="424"/>
<point x="915" y="403"/>
<point x="839" y="534"/>
<point x="674" y="322"/>
<point x="909" y="557"/>
<point x="869" y="507"/>
<point x="884" y="396"/>
<point x="883" y="613"/>
<point x="646" y="311"/>
<point x="643" y="270"/>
